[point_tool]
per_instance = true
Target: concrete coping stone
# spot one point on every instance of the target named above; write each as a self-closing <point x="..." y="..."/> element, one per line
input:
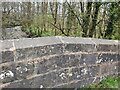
<point x="42" y="41"/>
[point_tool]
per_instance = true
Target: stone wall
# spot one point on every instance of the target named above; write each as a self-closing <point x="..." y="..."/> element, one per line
<point x="57" y="62"/>
<point x="12" y="33"/>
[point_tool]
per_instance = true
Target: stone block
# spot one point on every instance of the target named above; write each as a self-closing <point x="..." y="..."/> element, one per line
<point x="25" y="54"/>
<point x="118" y="47"/>
<point x="80" y="48"/>
<point x="36" y="52"/>
<point x="49" y="80"/>
<point x="49" y="50"/>
<point x="47" y="65"/>
<point x="114" y="69"/>
<point x="93" y="70"/>
<point x="58" y="62"/>
<point x="75" y="44"/>
<point x="42" y="81"/>
<point x="7" y="73"/>
<point x="106" y="69"/>
<point x="79" y="83"/>
<point x="25" y="83"/>
<point x="83" y="72"/>
<point x="23" y="70"/>
<point x="77" y="40"/>
<point x="16" y="71"/>
<point x="118" y="57"/>
<point x="104" y="41"/>
<point x="7" y="56"/>
<point x="107" y="57"/>
<point x="20" y="54"/>
<point x="6" y="51"/>
<point x="68" y="60"/>
<point x="59" y="77"/>
<point x="7" y="45"/>
<point x="106" y="45"/>
<point x="73" y="48"/>
<point x="119" y="67"/>
<point x="1" y="58"/>
<point x="37" y="47"/>
<point x="107" y="48"/>
<point x="73" y="61"/>
<point x="88" y="48"/>
<point x="88" y="59"/>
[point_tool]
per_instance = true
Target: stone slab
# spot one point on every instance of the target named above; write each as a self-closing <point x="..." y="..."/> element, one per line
<point x="77" y="40"/>
<point x="7" y="51"/>
<point x="35" y="42"/>
<point x="7" y="45"/>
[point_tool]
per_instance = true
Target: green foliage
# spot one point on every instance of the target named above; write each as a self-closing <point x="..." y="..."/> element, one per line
<point x="47" y="33"/>
<point x="36" y="27"/>
<point x="109" y="82"/>
<point x="33" y="31"/>
<point x="98" y="20"/>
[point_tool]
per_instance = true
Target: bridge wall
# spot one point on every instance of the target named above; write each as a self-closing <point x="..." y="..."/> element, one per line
<point x="57" y="62"/>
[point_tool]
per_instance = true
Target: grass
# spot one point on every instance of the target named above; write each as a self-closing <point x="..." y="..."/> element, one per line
<point x="109" y="82"/>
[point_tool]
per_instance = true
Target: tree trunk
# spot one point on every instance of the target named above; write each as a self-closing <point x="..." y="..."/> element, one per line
<point x="94" y="20"/>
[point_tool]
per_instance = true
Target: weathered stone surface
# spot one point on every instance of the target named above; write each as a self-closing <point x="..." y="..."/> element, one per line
<point x="57" y="62"/>
<point x="88" y="59"/>
<point x="0" y="57"/>
<point x="47" y="80"/>
<point x="83" y="72"/>
<point x="20" y="54"/>
<point x="118" y="47"/>
<point x="35" y="52"/>
<point x="24" y="70"/>
<point x="114" y="67"/>
<point x="7" y="45"/>
<point x="79" y="83"/>
<point x="105" y="41"/>
<point x="49" y="50"/>
<point x="47" y="65"/>
<point x="13" y="33"/>
<point x="25" y="83"/>
<point x="35" y="42"/>
<point x="0" y="51"/>
<point x="76" y="40"/>
<point x="6" y="51"/>
<point x="88" y="48"/>
<point x="18" y="71"/>
<point x="118" y="57"/>
<point x="74" y="44"/>
<point x="106" y="45"/>
<point x="64" y="61"/>
<point x="118" y="67"/>
<point x="107" y="48"/>
<point x="80" y="48"/>
<point x="109" y="68"/>
<point x="53" y="79"/>
<point x="107" y="57"/>
<point x="7" y="56"/>
<point x="7" y="74"/>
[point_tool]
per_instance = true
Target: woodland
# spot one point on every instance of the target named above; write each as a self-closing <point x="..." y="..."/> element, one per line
<point x="77" y="19"/>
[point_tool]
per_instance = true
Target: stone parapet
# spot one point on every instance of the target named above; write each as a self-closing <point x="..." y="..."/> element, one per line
<point x="57" y="62"/>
